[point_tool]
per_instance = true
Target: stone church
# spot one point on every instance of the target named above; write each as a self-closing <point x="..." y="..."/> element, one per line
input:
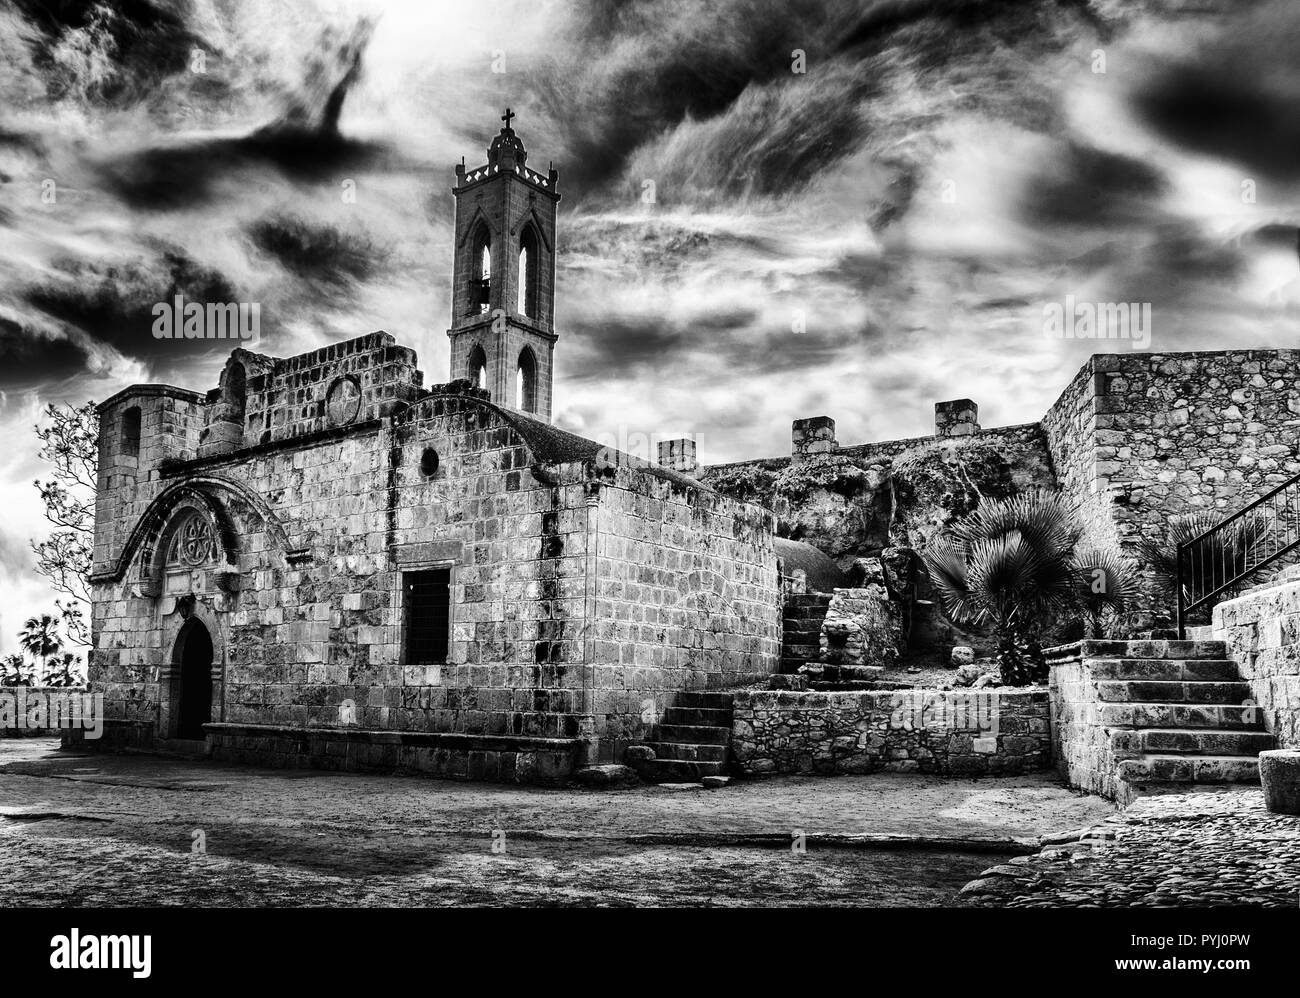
<point x="324" y="562"/>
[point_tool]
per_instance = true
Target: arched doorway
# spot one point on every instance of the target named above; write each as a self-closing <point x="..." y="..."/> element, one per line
<point x="192" y="663"/>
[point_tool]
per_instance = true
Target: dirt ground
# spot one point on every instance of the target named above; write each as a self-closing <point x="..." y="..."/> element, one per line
<point x="127" y="830"/>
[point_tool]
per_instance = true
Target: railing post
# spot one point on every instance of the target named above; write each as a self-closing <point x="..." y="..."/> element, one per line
<point x="1178" y="588"/>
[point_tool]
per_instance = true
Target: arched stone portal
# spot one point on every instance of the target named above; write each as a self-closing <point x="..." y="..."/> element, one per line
<point x="192" y="669"/>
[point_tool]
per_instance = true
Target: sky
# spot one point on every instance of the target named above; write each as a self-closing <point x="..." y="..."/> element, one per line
<point x="858" y="209"/>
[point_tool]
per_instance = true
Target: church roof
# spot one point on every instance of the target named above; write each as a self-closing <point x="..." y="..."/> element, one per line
<point x="550" y="443"/>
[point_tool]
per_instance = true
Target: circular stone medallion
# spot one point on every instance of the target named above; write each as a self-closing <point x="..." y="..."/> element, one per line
<point x="343" y="401"/>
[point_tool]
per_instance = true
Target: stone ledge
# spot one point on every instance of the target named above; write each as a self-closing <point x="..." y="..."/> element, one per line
<point x="176" y="468"/>
<point x="370" y="736"/>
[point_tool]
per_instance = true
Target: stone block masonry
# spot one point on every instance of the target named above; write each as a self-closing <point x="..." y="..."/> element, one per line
<point x="1262" y="632"/>
<point x="1130" y="717"/>
<point x="581" y="595"/>
<point x="951" y="732"/>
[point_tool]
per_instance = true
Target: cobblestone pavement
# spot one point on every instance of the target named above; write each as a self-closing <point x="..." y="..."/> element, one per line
<point x="1205" y="849"/>
<point x="100" y="830"/>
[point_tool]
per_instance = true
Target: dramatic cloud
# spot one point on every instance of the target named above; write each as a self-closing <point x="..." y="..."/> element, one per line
<point x="1234" y="92"/>
<point x="741" y="243"/>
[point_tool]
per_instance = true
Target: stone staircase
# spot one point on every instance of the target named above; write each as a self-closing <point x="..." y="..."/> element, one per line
<point x="691" y="740"/>
<point x="800" y="640"/>
<point x="1174" y="713"/>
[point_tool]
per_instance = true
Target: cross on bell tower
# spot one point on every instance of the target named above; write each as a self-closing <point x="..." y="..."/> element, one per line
<point x="503" y="303"/>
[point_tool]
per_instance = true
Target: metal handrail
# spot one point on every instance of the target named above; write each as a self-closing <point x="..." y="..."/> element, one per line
<point x="1277" y="521"/>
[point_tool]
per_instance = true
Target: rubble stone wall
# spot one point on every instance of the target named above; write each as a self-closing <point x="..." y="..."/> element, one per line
<point x="954" y="732"/>
<point x="1177" y="432"/>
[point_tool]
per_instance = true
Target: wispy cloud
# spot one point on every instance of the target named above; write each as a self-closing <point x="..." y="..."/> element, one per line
<point x="860" y="239"/>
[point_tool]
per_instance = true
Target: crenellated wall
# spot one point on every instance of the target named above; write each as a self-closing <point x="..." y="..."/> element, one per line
<point x="1132" y="440"/>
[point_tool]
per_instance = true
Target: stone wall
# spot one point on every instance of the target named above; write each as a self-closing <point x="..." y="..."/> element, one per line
<point x="929" y="731"/>
<point x="685" y="597"/>
<point x="862" y="627"/>
<point x="1137" y="438"/>
<point x="1080" y="738"/>
<point x="1177" y="432"/>
<point x="1133" y="439"/>
<point x="847" y="501"/>
<point x="1262" y="632"/>
<point x="1073" y="428"/>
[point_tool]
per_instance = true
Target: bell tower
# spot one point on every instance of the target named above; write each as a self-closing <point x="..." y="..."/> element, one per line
<point x="503" y="282"/>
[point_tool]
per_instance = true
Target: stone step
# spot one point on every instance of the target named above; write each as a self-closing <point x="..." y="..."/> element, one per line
<point x="692" y="734"/>
<point x="698" y="698"/>
<point x="802" y="632"/>
<point x="810" y="599"/>
<point x="1200" y="741"/>
<point x="1156" y="691"/>
<point x="1176" y="715"/>
<point x="681" y="770"/>
<point x="1190" y="769"/>
<point x="688" y="750"/>
<point x="1169" y="669"/>
<point x="801" y="651"/>
<point x="1153" y="649"/>
<point x="704" y="716"/>
<point x="804" y="613"/>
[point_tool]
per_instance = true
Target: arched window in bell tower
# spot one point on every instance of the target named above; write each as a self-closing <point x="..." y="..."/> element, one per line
<point x="481" y="271"/>
<point x="528" y="261"/>
<point x="526" y="381"/>
<point x="476" y="368"/>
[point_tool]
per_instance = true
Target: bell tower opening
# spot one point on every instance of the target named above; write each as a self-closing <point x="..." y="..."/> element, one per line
<point x="526" y="382"/>
<point x="476" y="370"/>
<point x="480" y="297"/>
<point x="528" y="257"/>
<point x="503" y="297"/>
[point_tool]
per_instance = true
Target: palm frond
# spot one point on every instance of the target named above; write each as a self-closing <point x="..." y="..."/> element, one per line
<point x="1044" y="521"/>
<point x="946" y="563"/>
<point x="1105" y="578"/>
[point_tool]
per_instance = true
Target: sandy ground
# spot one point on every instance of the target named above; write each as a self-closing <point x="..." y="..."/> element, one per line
<point x="123" y="829"/>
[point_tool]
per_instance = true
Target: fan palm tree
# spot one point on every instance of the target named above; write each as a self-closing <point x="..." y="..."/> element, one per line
<point x="1106" y="585"/>
<point x="40" y="637"/>
<point x="1008" y="564"/>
